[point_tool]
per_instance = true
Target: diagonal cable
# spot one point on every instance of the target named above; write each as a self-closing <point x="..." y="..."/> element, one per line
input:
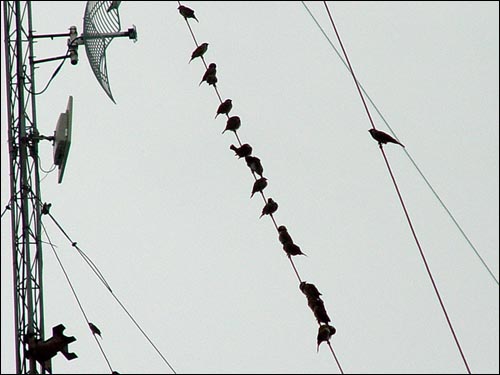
<point x="401" y="198"/>
<point x="407" y="153"/>
<point x="103" y="280"/>
<point x="255" y="177"/>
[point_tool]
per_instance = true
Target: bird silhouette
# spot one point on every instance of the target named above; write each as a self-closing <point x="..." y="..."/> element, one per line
<point x="212" y="80"/>
<point x="309" y="290"/>
<point x="243" y="151"/>
<point x="224" y="108"/>
<point x="113" y="5"/>
<point x="187" y="12"/>
<point x="382" y="137"/>
<point x="259" y="185"/>
<point x="46" y="208"/>
<point x="270" y="207"/>
<point x="211" y="71"/>
<point x="94" y="329"/>
<point x="283" y="235"/>
<point x="292" y="249"/>
<point x="254" y="164"/>
<point x="318" y="307"/>
<point x="199" y="51"/>
<point x="233" y="123"/>
<point x="325" y="332"/>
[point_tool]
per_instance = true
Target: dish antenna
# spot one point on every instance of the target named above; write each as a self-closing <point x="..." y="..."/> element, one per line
<point x="101" y="24"/>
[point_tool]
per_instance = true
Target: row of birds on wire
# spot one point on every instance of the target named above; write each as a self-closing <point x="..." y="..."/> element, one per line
<point x="314" y="301"/>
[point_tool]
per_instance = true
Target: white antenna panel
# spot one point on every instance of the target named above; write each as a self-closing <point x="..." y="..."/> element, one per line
<point x="62" y="138"/>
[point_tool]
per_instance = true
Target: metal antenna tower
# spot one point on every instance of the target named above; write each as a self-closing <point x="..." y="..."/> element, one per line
<point x="24" y="180"/>
<point x="101" y="23"/>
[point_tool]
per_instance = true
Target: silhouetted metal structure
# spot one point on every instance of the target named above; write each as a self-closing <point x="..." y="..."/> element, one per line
<point x="24" y="180"/>
<point x="101" y="24"/>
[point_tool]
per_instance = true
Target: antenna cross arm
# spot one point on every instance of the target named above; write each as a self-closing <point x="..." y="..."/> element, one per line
<point x="131" y="33"/>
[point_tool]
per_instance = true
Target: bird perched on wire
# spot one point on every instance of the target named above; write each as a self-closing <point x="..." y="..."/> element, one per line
<point x="94" y="329"/>
<point x="325" y="332"/>
<point x="199" y="51"/>
<point x="212" y="80"/>
<point x="318" y="308"/>
<point x="187" y="12"/>
<point x="292" y="249"/>
<point x="309" y="290"/>
<point x="211" y="71"/>
<point x="113" y="5"/>
<point x="270" y="207"/>
<point x="225" y="107"/>
<point x="382" y="137"/>
<point x="259" y="185"/>
<point x="242" y="151"/>
<point x="283" y="235"/>
<point x="254" y="164"/>
<point x="233" y="123"/>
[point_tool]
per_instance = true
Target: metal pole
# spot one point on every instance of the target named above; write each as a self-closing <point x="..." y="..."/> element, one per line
<point x="25" y="182"/>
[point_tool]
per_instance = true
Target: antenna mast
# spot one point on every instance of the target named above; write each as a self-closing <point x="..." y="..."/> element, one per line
<point x="24" y="180"/>
<point x="101" y="26"/>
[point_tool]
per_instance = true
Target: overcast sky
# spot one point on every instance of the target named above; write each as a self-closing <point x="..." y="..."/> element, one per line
<point x="156" y="199"/>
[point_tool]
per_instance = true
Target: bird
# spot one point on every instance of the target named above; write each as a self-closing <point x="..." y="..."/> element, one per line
<point x="94" y="329"/>
<point x="211" y="71"/>
<point x="254" y="164"/>
<point x="270" y="207"/>
<point x="283" y="236"/>
<point x="199" y="51"/>
<point x="225" y="107"/>
<point x="233" y="123"/>
<point x="113" y="5"/>
<point x="318" y="308"/>
<point x="212" y="80"/>
<point x="292" y="249"/>
<point x="187" y="12"/>
<point x="46" y="208"/>
<point x="259" y="185"/>
<point x="325" y="332"/>
<point x="309" y="290"/>
<point x="243" y="151"/>
<point x="382" y="137"/>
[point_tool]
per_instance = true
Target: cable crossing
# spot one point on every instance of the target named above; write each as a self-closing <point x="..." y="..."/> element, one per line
<point x="75" y="295"/>
<point x="46" y="211"/>
<point x="436" y="195"/>
<point x="400" y="196"/>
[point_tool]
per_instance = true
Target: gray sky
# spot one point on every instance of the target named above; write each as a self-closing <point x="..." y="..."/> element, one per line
<point x="155" y="197"/>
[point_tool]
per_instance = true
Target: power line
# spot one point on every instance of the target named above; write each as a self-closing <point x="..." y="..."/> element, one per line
<point x="406" y="151"/>
<point x="74" y="294"/>
<point x="255" y="177"/>
<point x="400" y="198"/>
<point x="103" y="280"/>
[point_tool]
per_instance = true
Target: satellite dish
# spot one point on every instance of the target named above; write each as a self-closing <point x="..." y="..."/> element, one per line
<point x="62" y="138"/>
<point x="101" y="23"/>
